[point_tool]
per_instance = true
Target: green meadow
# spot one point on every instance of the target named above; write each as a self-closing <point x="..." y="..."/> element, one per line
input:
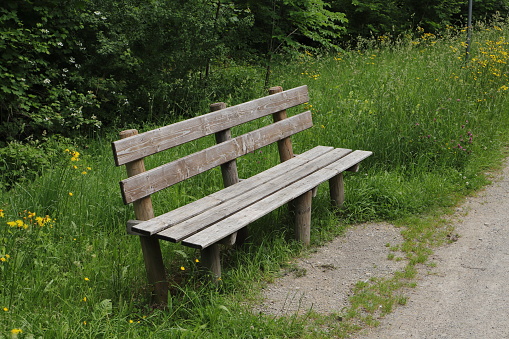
<point x="435" y="121"/>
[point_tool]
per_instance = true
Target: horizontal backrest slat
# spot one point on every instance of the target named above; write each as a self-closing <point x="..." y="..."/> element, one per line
<point x="149" y="182"/>
<point x="147" y="143"/>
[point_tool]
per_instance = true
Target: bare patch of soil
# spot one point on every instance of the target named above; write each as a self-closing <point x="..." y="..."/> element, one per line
<point x="322" y="281"/>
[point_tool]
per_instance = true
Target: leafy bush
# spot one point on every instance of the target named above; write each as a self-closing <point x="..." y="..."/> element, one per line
<point x="42" y="86"/>
<point x="23" y="161"/>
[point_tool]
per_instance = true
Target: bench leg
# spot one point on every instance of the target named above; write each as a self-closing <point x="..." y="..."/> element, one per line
<point x="337" y="190"/>
<point x="211" y="261"/>
<point x="302" y="210"/>
<point x="155" y="269"/>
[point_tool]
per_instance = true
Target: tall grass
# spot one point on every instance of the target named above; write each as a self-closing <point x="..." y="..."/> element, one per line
<point x="434" y="122"/>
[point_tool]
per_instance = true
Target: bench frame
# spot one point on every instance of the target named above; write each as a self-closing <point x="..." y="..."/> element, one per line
<point x="222" y="217"/>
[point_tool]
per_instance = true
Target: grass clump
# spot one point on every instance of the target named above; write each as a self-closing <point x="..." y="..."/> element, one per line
<point x="435" y="123"/>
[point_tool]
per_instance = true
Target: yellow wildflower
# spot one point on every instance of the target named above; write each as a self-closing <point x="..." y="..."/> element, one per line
<point x="70" y="194"/>
<point x="2" y="214"/>
<point x="16" y="331"/>
<point x="86" y="279"/>
<point x="182" y="268"/>
<point x="5" y="309"/>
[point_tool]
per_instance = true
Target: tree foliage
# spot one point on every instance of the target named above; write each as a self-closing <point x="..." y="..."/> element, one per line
<point x="68" y="65"/>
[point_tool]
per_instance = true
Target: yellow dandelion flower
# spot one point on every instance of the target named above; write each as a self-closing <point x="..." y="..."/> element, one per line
<point x="5" y="309"/>
<point x="16" y="331"/>
<point x="84" y="299"/>
<point x="131" y="321"/>
<point x="2" y="259"/>
<point x="182" y="268"/>
<point x="2" y="215"/>
<point x="75" y="167"/>
<point x="70" y="194"/>
<point x="86" y="279"/>
<point x="196" y="260"/>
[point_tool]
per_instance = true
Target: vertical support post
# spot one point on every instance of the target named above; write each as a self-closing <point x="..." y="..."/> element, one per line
<point x="284" y="145"/>
<point x="303" y="217"/>
<point x="469" y="29"/>
<point x="301" y="206"/>
<point x="337" y="190"/>
<point x="230" y="175"/>
<point x="211" y="260"/>
<point x="150" y="247"/>
<point x="228" y="169"/>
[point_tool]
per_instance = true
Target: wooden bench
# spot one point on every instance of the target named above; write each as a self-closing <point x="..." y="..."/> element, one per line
<point x="224" y="215"/>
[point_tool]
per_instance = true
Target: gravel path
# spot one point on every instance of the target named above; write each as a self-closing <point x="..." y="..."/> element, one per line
<point x="465" y="296"/>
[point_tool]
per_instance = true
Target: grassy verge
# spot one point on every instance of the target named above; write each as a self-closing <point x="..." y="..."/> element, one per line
<point x="434" y="122"/>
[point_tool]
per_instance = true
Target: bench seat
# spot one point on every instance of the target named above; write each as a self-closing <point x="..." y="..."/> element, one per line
<point x="215" y="217"/>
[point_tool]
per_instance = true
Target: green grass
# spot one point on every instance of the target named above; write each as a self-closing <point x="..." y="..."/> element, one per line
<point x="411" y="103"/>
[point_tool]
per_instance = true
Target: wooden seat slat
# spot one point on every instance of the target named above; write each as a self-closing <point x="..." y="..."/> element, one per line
<point x="248" y="197"/>
<point x="183" y="213"/>
<point x="229" y="225"/>
<point x="148" y="143"/>
<point x="156" y="179"/>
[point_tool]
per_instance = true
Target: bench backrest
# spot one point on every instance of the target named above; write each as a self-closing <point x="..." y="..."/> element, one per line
<point x="133" y="147"/>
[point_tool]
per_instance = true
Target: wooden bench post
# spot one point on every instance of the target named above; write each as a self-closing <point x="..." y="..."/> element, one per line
<point x="284" y="145"/>
<point x="210" y="256"/>
<point x="300" y="207"/>
<point x="337" y="190"/>
<point x="337" y="187"/>
<point x="151" y="249"/>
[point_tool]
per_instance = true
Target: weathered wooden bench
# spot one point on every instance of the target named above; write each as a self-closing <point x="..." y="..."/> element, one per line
<point x="217" y="218"/>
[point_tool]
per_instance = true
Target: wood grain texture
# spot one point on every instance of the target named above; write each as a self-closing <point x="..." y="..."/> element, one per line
<point x="302" y="212"/>
<point x="337" y="190"/>
<point x="248" y="197"/>
<point x="257" y="210"/>
<point x="229" y="171"/>
<point x="157" y="140"/>
<point x="284" y="146"/>
<point x="180" y="214"/>
<point x="150" y="247"/>
<point x="154" y="180"/>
